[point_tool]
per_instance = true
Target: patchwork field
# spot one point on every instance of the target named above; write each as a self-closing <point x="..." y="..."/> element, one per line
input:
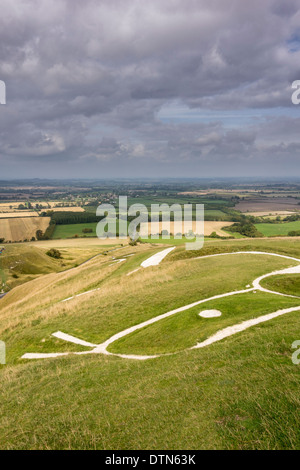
<point x="223" y="395"/>
<point x="19" y="229"/>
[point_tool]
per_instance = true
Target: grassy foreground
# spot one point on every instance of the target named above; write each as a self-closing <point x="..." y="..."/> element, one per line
<point x="229" y="396"/>
<point x="240" y="393"/>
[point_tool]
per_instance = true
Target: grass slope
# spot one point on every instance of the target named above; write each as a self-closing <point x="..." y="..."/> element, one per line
<point x="186" y="329"/>
<point x="32" y="312"/>
<point x="278" y="229"/>
<point x="229" y="395"/>
<point x="288" y="284"/>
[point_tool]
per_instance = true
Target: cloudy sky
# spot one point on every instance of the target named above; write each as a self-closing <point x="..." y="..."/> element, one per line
<point x="140" y="88"/>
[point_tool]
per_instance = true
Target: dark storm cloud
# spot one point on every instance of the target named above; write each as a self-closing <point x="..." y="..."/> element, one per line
<point x="86" y="80"/>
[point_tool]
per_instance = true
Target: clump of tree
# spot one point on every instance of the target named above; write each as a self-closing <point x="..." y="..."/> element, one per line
<point x="54" y="253"/>
<point x="49" y="230"/>
<point x="292" y="218"/>
<point x="294" y="233"/>
<point x="135" y="242"/>
<point x="39" y="235"/>
<point x="68" y="218"/>
<point x="214" y="235"/>
<point x="247" y="229"/>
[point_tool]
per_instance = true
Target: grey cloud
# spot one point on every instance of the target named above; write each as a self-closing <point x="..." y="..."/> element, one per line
<point x="85" y="82"/>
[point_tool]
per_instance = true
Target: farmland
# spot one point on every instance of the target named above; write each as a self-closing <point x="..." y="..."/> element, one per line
<point x="178" y="227"/>
<point x="73" y="230"/>
<point x="21" y="228"/>
<point x="271" y="204"/>
<point x="278" y="229"/>
<point x="69" y="231"/>
<point x="16" y="214"/>
<point x="67" y="209"/>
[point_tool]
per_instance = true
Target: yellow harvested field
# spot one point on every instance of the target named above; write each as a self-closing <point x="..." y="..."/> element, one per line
<point x="13" y="206"/>
<point x="6" y="215"/>
<point x="19" y="229"/>
<point x="193" y="193"/>
<point x="177" y="227"/>
<point x="67" y="209"/>
<point x="52" y="204"/>
<point x="216" y="226"/>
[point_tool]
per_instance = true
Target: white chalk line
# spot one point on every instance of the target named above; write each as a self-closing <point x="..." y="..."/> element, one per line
<point x="73" y="339"/>
<point x="79" y="295"/>
<point x="156" y="259"/>
<point x="229" y="331"/>
<point x="117" y="261"/>
<point x="232" y="330"/>
<point x="134" y="271"/>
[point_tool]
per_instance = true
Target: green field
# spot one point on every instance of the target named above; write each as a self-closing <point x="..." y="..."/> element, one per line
<point x="229" y="395"/>
<point x="69" y="231"/>
<point x="278" y="229"/>
<point x="215" y="213"/>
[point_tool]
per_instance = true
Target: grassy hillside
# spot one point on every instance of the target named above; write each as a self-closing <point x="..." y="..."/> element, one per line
<point x="285" y="246"/>
<point x="228" y="395"/>
<point x="24" y="262"/>
<point x="186" y="329"/>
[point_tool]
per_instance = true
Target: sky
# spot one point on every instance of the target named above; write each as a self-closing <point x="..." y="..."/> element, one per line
<point x="139" y="88"/>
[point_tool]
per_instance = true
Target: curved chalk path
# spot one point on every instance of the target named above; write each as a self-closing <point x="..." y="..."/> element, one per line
<point x="157" y="258"/>
<point x="229" y="331"/>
